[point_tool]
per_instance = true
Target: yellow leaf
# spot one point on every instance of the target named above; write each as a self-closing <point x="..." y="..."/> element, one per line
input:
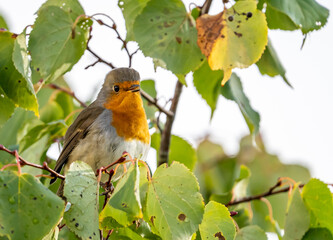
<point x="236" y="37"/>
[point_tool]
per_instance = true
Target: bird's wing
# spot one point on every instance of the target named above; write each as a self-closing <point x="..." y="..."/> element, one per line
<point x="77" y="131"/>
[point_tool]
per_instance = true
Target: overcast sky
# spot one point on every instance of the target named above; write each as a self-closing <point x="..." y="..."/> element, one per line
<point x="296" y="123"/>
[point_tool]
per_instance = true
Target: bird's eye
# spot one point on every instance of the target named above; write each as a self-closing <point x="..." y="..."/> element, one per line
<point x="116" y="88"/>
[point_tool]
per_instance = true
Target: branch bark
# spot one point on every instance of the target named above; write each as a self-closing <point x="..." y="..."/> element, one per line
<point x="71" y="93"/>
<point x="270" y="192"/>
<point x="166" y="133"/>
<point x="153" y="101"/>
<point x="24" y="162"/>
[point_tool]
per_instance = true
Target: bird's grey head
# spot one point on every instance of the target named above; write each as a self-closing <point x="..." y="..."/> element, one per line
<point x="115" y="78"/>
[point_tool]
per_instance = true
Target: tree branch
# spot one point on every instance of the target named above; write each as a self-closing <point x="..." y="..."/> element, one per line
<point x="153" y="101"/>
<point x="166" y="134"/>
<point x="270" y="192"/>
<point x="99" y="59"/>
<point x="71" y="93"/>
<point x="23" y="162"/>
<point x="114" y="28"/>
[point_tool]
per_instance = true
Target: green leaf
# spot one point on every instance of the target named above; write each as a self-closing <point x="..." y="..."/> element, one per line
<point x="143" y="229"/>
<point x="297" y="217"/>
<point x="7" y="107"/>
<point x="208" y="84"/>
<point x="3" y="23"/>
<point x="30" y="210"/>
<point x="131" y="9"/>
<point x="307" y="14"/>
<point x="318" y="199"/>
<point x="16" y="87"/>
<point x="53" y="130"/>
<point x="9" y="133"/>
<point x="215" y="175"/>
<point x="242" y="182"/>
<point x="21" y="58"/>
<point x="266" y="166"/>
<point x="125" y="234"/>
<point x="318" y="233"/>
<point x="35" y="154"/>
<point x="233" y="90"/>
<point x="181" y="79"/>
<point x="52" y="235"/>
<point x="164" y="30"/>
<point x="174" y="204"/>
<point x="278" y="20"/>
<point x="66" y="234"/>
<point x="253" y="232"/>
<point x="81" y="191"/>
<point x="217" y="223"/>
<point x="180" y="150"/>
<point x="183" y="152"/>
<point x="149" y="87"/>
<point x="53" y="49"/>
<point x="125" y="198"/>
<point x="72" y="7"/>
<point x="244" y="173"/>
<point x="270" y="64"/>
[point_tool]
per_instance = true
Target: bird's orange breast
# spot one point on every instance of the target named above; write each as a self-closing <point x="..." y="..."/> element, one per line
<point x="128" y="116"/>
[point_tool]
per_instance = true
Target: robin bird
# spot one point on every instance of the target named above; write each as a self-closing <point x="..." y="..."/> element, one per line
<point x="115" y="122"/>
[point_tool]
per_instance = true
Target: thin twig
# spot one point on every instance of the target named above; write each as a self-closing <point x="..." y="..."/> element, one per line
<point x="114" y="28"/>
<point x="99" y="59"/>
<point x="71" y="93"/>
<point x="270" y="192"/>
<point x="154" y="102"/>
<point x="166" y="134"/>
<point x="24" y="162"/>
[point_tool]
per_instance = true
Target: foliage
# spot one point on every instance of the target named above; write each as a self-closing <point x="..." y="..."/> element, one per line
<point x="201" y="192"/>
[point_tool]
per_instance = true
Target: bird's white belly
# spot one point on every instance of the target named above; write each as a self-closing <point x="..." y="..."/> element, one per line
<point x="102" y="146"/>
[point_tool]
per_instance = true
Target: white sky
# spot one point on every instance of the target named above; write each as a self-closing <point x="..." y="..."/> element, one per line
<point x="295" y="124"/>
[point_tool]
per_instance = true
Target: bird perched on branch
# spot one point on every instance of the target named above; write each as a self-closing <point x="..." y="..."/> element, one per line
<point x="115" y="122"/>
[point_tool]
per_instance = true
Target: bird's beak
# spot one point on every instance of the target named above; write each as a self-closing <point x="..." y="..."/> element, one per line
<point x="134" y="88"/>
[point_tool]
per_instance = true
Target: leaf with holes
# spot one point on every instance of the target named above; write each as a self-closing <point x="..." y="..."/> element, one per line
<point x="318" y="200"/>
<point x="251" y="233"/>
<point x="305" y="14"/>
<point x="17" y="88"/>
<point x="72" y="7"/>
<point x="81" y="191"/>
<point x="165" y="31"/>
<point x="217" y="223"/>
<point x="233" y="38"/>
<point x="124" y="205"/>
<point x="30" y="209"/>
<point x="54" y="47"/>
<point x="174" y="204"/>
<point x="131" y="9"/>
<point x="233" y="90"/>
